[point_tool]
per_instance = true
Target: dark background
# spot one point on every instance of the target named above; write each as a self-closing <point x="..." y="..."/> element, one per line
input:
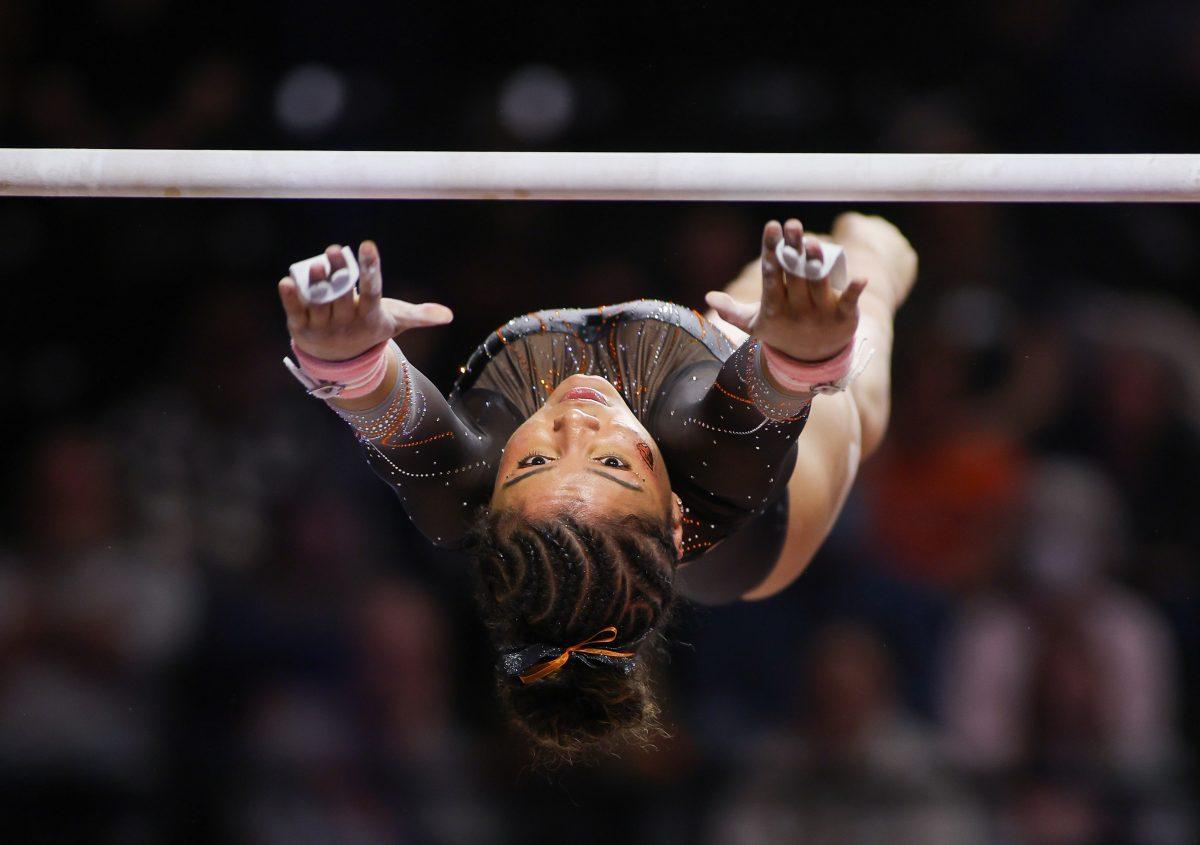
<point x="216" y="625"/>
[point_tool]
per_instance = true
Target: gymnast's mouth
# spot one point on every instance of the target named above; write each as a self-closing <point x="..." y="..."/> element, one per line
<point x="585" y="394"/>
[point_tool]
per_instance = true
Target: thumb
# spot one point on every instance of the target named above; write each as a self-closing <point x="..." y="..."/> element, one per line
<point x="408" y="315"/>
<point x="740" y="314"/>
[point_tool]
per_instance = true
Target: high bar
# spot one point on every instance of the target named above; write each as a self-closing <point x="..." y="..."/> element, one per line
<point x="742" y="177"/>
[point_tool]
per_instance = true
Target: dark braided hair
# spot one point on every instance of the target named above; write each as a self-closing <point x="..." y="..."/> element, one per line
<point x="558" y="580"/>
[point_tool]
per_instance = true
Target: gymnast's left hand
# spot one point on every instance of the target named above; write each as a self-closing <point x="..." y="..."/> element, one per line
<point x="803" y="318"/>
<point x="352" y="324"/>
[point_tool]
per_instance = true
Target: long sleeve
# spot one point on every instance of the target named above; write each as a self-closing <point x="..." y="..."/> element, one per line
<point x="441" y="460"/>
<point x="729" y="438"/>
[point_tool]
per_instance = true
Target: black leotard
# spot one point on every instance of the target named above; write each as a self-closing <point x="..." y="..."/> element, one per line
<point x="701" y="399"/>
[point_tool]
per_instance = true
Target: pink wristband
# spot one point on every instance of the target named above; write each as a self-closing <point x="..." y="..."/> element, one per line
<point x="350" y="379"/>
<point x="801" y="377"/>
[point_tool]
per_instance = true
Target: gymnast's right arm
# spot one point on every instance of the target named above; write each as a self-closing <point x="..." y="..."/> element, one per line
<point x="440" y="464"/>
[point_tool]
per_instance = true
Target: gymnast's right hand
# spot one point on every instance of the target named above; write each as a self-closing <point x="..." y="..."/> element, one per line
<point x="352" y="324"/>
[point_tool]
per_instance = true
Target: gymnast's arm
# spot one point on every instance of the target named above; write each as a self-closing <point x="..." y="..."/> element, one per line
<point x="737" y="438"/>
<point x="845" y="428"/>
<point x="729" y="435"/>
<point x="439" y="463"/>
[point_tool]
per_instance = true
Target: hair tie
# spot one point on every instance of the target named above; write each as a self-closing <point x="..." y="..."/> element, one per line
<point x="541" y="660"/>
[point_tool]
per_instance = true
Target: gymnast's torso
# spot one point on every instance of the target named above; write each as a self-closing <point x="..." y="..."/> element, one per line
<point x="687" y="382"/>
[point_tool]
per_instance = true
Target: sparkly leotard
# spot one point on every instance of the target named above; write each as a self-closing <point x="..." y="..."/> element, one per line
<point x="727" y="438"/>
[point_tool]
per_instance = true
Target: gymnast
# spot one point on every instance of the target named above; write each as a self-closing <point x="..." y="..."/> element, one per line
<point x="598" y="463"/>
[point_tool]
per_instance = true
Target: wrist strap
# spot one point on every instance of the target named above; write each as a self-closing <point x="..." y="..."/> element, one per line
<point x="829" y="376"/>
<point x="349" y="379"/>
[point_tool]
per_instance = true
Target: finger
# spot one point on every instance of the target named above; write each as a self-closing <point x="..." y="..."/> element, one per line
<point x="293" y="306"/>
<point x="343" y="308"/>
<point x="813" y="252"/>
<point x="318" y="315"/>
<point x="849" y="301"/>
<point x="819" y="291"/>
<point x="793" y="233"/>
<point x="773" y="290"/>
<point x="337" y="261"/>
<point x="408" y="315"/>
<point x="796" y="289"/>
<point x="370" y="282"/>
<point x="740" y="314"/>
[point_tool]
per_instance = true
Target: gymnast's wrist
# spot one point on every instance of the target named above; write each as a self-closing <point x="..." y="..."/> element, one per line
<point x="773" y="380"/>
<point x="370" y="400"/>
<point x="799" y="378"/>
<point x="352" y="384"/>
<point x="333" y="350"/>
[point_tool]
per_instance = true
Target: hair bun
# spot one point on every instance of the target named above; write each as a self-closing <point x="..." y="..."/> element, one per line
<point x="581" y="708"/>
<point x="563" y="580"/>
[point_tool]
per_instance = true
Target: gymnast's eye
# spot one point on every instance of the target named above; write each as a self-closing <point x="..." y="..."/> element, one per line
<point x="533" y="460"/>
<point x="614" y="462"/>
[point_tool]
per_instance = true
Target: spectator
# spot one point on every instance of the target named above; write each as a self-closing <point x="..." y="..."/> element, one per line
<point x="1072" y="672"/>
<point x="94" y="617"/>
<point x="855" y="767"/>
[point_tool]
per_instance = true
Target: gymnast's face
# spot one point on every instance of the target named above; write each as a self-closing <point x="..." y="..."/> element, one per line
<point x="585" y="449"/>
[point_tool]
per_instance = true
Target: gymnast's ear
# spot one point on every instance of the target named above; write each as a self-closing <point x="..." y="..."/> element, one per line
<point x="677" y="524"/>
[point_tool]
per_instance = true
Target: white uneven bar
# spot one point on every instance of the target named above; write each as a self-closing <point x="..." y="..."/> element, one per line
<point x="841" y="177"/>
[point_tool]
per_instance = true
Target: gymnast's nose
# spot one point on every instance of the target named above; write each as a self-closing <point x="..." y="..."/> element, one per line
<point x="573" y="422"/>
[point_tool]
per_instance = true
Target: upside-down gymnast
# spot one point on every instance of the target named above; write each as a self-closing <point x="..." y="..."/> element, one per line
<point x="598" y="463"/>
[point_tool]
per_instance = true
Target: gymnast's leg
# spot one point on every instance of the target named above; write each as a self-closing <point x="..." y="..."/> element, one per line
<point x="846" y="427"/>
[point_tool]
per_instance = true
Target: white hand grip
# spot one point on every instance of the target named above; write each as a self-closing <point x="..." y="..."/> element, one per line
<point x="833" y="266"/>
<point x="333" y="287"/>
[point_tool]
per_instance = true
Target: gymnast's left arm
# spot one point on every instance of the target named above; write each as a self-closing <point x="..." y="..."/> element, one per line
<point x="732" y="435"/>
<point x="845" y="427"/>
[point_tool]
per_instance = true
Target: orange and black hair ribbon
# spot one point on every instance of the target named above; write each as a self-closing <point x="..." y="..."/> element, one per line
<point x="523" y="665"/>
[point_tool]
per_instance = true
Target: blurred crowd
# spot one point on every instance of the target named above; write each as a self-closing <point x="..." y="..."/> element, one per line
<point x="217" y="625"/>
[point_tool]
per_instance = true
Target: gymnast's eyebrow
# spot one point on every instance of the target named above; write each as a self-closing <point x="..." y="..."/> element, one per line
<point x="513" y="481"/>
<point x="622" y="482"/>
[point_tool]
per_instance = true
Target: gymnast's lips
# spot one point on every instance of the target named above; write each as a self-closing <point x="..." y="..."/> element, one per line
<point x="584" y="393"/>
